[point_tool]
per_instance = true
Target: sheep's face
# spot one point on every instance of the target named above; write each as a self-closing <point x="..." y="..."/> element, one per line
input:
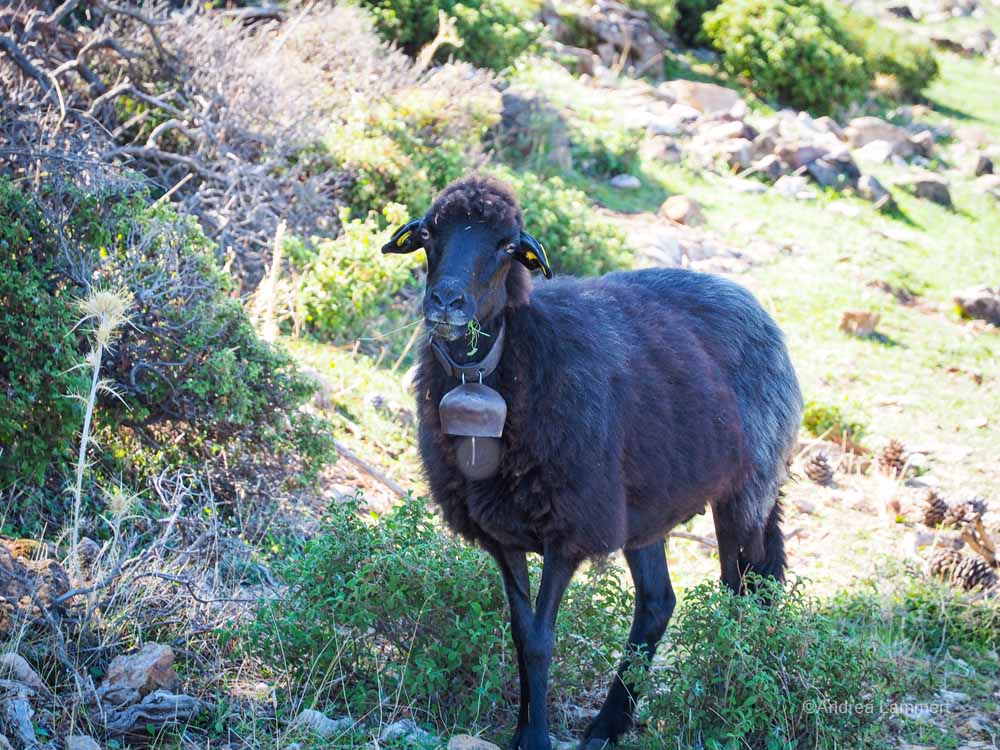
<point x="468" y="262"/>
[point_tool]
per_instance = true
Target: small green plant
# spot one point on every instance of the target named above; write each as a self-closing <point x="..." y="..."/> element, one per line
<point x="392" y="610"/>
<point x="792" y="51"/>
<point x="474" y="331"/>
<point x="494" y="32"/>
<point x="828" y="421"/>
<point x="909" y="61"/>
<point x="772" y="670"/>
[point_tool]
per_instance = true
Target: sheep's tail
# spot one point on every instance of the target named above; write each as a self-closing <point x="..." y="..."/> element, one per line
<point x="768" y="556"/>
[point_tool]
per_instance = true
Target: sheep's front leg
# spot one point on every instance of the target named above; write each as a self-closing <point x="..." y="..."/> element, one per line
<point x="513" y="566"/>
<point x="539" y="638"/>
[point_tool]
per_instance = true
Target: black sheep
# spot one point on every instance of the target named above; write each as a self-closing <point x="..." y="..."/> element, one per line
<point x="634" y="400"/>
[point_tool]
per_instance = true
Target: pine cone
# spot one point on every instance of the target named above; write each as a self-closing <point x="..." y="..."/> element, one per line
<point x="891" y="460"/>
<point x="935" y="509"/>
<point x="972" y="572"/>
<point x="965" y="512"/>
<point x="943" y="562"/>
<point x="963" y="570"/>
<point x="818" y="469"/>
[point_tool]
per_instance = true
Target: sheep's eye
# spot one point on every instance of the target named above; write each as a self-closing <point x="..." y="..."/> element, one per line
<point x="424" y="234"/>
<point x="509" y="247"/>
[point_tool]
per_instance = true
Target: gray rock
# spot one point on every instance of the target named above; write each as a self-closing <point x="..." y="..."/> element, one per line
<point x="743" y="185"/>
<point x="666" y="126"/>
<point x="763" y="145"/>
<point x="771" y="167"/>
<point x="984" y="165"/>
<point x="828" y="125"/>
<point x="928" y="186"/>
<point x="320" y="724"/>
<point x="407" y="731"/>
<point x="872" y="190"/>
<point x="737" y="152"/>
<point x="798" y="155"/>
<point x="468" y="742"/>
<point x="80" y="742"/>
<point x="662" y="148"/>
<point x="709" y="98"/>
<point x="874" y="152"/>
<point x="901" y="10"/>
<point x="625" y="182"/>
<point x="981" y="302"/>
<point x="863" y="130"/>
<point x="794" y="186"/>
<point x="923" y="142"/>
<point x="835" y="171"/>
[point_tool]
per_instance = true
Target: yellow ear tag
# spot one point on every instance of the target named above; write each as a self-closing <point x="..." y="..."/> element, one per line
<point x="530" y="255"/>
<point x="403" y="238"/>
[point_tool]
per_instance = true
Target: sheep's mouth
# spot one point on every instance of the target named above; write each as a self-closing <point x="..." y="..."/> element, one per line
<point x="447" y="331"/>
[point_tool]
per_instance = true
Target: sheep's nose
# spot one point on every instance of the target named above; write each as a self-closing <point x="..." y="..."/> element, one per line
<point x="448" y="297"/>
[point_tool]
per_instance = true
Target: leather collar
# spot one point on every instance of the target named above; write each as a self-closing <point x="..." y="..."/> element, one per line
<point x="470" y="371"/>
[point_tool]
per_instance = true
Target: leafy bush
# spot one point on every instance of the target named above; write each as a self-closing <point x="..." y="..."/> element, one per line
<point x="37" y="349"/>
<point x="347" y="281"/>
<point x="189" y="355"/>
<point x="748" y="674"/>
<point x="885" y="51"/>
<point x="828" y="421"/>
<point x="578" y="241"/>
<point x="794" y="51"/>
<point x="407" y="149"/>
<point x="393" y="610"/>
<point x="494" y="32"/>
<point x="689" y="19"/>
<point x="603" y="151"/>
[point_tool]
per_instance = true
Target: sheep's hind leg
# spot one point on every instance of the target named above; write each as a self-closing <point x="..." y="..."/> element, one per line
<point x="654" y="604"/>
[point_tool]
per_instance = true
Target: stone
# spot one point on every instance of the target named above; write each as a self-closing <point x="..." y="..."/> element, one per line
<point x="666" y="126"/>
<point x="827" y="124"/>
<point x="981" y="302"/>
<point x="27" y="582"/>
<point x="724" y="131"/>
<point x="15" y="666"/>
<point x="859" y="322"/>
<point x="625" y="182"/>
<point x="80" y="742"/>
<point x="737" y="152"/>
<point x="661" y="148"/>
<point x="15" y="716"/>
<point x="683" y="210"/>
<point x="320" y="724"/>
<point x="928" y="186"/>
<point x="923" y="142"/>
<point x="683" y="112"/>
<point x="798" y="155"/>
<point x="707" y="98"/>
<point x="157" y="709"/>
<point x="833" y="173"/>
<point x="872" y="190"/>
<point x="863" y="130"/>
<point x="984" y="165"/>
<point x="131" y="677"/>
<point x="763" y="145"/>
<point x="770" y="167"/>
<point x="406" y="730"/>
<point x="794" y="186"/>
<point x="468" y="742"/>
<point x="874" y="152"/>
<point x="901" y="10"/>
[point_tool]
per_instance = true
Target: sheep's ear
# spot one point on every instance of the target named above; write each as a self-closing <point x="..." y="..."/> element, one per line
<point x="406" y="239"/>
<point x="532" y="255"/>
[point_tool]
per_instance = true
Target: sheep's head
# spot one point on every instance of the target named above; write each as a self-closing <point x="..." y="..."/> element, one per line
<point x="472" y="234"/>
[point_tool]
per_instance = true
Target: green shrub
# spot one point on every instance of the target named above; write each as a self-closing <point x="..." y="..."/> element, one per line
<point x="662" y="12"/>
<point x="189" y="356"/>
<point x="494" y="32"/>
<point x="829" y="422"/>
<point x="578" y="241"/>
<point x="793" y="51"/>
<point x="603" y="151"/>
<point x="38" y="350"/>
<point x="347" y="282"/>
<point x="689" y="19"/>
<point x="747" y="674"/>
<point x="885" y="51"/>
<point x="393" y="610"/>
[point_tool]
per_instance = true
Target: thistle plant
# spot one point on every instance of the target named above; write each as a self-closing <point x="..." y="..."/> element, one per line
<point x="107" y="311"/>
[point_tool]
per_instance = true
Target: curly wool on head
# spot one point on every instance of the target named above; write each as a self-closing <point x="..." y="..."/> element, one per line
<point x="482" y="197"/>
